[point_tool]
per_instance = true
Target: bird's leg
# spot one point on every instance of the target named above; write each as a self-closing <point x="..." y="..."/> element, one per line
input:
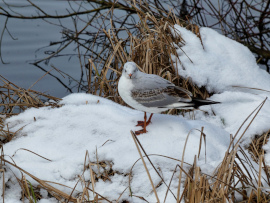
<point x="149" y="120"/>
<point x="144" y="126"/>
<point x="141" y="123"/>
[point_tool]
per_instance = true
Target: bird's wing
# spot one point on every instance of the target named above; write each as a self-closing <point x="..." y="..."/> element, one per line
<point x="161" y="97"/>
<point x="150" y="81"/>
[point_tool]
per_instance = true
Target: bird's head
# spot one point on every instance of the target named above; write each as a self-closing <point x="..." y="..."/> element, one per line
<point x="130" y="70"/>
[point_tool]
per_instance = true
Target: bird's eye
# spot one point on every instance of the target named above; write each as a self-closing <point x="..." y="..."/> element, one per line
<point x="125" y="70"/>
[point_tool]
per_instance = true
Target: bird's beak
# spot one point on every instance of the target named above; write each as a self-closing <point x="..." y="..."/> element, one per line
<point x="130" y="75"/>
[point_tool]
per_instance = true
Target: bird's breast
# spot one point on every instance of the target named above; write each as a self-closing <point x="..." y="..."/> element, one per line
<point x="124" y="88"/>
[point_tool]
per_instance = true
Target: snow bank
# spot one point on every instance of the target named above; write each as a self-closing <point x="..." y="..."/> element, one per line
<point x="88" y="122"/>
<point x="220" y="64"/>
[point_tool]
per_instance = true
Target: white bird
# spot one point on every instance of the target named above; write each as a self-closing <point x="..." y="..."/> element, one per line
<point x="153" y="94"/>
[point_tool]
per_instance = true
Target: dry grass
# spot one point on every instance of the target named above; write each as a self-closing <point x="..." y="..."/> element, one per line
<point x="235" y="180"/>
<point x="15" y="99"/>
<point x="256" y="146"/>
<point x="32" y="193"/>
<point x="231" y="183"/>
<point x="152" y="49"/>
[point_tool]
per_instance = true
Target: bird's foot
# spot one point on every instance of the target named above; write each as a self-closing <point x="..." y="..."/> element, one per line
<point x="141" y="123"/>
<point x="140" y="132"/>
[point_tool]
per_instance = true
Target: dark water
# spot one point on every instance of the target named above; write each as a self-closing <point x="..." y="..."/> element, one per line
<point x="30" y="42"/>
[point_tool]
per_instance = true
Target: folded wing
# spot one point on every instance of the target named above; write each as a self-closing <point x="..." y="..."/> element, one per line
<point x="165" y="97"/>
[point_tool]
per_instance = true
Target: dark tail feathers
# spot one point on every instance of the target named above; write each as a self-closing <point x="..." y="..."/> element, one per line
<point x="200" y="102"/>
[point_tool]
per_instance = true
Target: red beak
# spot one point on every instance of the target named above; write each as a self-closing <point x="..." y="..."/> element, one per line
<point x="130" y="75"/>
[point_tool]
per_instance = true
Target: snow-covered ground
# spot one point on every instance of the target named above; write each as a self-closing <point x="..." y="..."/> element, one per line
<point x="90" y="123"/>
<point x="229" y="69"/>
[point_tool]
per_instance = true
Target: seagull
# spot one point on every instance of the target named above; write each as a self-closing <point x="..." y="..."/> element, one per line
<point x="153" y="94"/>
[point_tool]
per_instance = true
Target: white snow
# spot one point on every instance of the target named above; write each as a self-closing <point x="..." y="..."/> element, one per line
<point x="90" y="123"/>
<point x="220" y="65"/>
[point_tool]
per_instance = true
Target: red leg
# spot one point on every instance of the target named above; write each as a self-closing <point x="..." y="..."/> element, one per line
<point x="149" y="120"/>
<point x="141" y="123"/>
<point x="144" y="124"/>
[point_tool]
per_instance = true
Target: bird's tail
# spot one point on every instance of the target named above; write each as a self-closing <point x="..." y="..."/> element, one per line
<point x="200" y="102"/>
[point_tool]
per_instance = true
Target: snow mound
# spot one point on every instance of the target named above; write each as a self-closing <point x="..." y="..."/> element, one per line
<point x="88" y="122"/>
<point x="218" y="63"/>
<point x="226" y="68"/>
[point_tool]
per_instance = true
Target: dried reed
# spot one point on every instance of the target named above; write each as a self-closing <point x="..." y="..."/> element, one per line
<point x="151" y="48"/>
<point x="15" y="99"/>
